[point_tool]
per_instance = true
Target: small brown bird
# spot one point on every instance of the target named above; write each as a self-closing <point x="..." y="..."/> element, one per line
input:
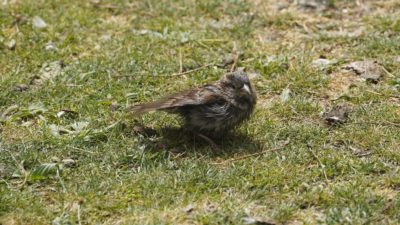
<point x="212" y="109"/>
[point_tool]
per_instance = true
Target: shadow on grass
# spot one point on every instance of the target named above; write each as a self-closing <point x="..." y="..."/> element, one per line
<point x="178" y="140"/>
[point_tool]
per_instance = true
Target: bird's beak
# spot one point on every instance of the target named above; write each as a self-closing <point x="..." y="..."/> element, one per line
<point x="246" y="88"/>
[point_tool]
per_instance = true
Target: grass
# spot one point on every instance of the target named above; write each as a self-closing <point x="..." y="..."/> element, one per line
<point x="89" y="167"/>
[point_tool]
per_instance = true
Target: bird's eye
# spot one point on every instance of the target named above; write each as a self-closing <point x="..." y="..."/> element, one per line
<point x="237" y="85"/>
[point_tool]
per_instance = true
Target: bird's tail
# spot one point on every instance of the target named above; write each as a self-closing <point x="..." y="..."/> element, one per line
<point x="148" y="107"/>
<point x="169" y="103"/>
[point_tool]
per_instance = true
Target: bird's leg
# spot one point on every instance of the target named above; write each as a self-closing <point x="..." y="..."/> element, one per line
<point x="209" y="141"/>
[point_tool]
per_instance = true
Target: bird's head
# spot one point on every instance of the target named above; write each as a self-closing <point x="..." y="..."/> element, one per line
<point x="240" y="86"/>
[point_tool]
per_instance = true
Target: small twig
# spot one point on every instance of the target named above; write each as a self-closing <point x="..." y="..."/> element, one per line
<point x="105" y="6"/>
<point x="248" y="60"/>
<point x="18" y="68"/>
<point x="123" y="76"/>
<point x="109" y="74"/>
<point x="236" y="58"/>
<point x="234" y="63"/>
<point x="210" y="142"/>
<point x="383" y="123"/>
<point x="79" y="214"/>
<point x="87" y="73"/>
<point x="61" y="181"/>
<point x="203" y="45"/>
<point x="193" y="70"/>
<point x="253" y="154"/>
<point x="374" y="92"/>
<point x="380" y="94"/>
<point x="391" y="123"/>
<point x="304" y="26"/>
<point x="214" y="40"/>
<point x="73" y="85"/>
<point x="364" y="154"/>
<point x="8" y="185"/>
<point x="388" y="73"/>
<point x="319" y="161"/>
<point x="83" y="150"/>
<point x="129" y="76"/>
<point x="180" y="61"/>
<point x="178" y="155"/>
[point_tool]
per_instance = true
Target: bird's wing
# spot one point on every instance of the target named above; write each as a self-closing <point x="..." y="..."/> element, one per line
<point x="203" y="95"/>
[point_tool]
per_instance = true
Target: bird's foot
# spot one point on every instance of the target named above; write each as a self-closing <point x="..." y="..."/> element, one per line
<point x="213" y="145"/>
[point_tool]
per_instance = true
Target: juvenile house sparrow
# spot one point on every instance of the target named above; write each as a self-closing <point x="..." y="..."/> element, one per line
<point x="212" y="109"/>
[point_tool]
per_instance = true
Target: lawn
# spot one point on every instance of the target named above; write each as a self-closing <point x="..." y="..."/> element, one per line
<point x="321" y="148"/>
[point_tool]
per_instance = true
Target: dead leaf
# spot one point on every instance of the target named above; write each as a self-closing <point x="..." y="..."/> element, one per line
<point x="321" y="63"/>
<point x="55" y="159"/>
<point x="11" y="44"/>
<point x="67" y="113"/>
<point x="210" y="206"/>
<point x="358" y="152"/>
<point x="337" y="115"/>
<point x="50" y="47"/>
<point x="285" y="95"/>
<point x="315" y="5"/>
<point x="58" y="130"/>
<point x="21" y="87"/>
<point x="48" y="72"/>
<point x="72" y="129"/>
<point x="223" y="23"/>
<point x="369" y="70"/>
<point x="36" y="108"/>
<point x="19" y="19"/>
<point x="8" y="112"/>
<point x="189" y="208"/>
<point x="69" y="162"/>
<point x="38" y="22"/>
<point x="79" y="126"/>
<point x="148" y="32"/>
<point x="63" y="219"/>
<point x="345" y="33"/>
<point x="340" y="82"/>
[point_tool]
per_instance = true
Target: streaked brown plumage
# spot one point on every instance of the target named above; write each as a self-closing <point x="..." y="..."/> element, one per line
<point x="212" y="109"/>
